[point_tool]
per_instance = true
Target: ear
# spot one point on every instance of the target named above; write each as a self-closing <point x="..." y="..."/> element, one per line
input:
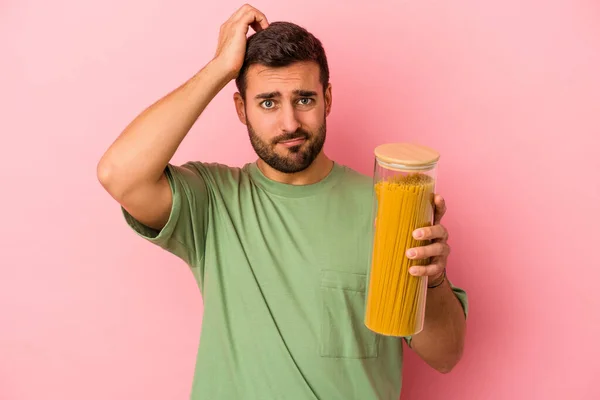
<point x="239" y="107"/>
<point x="328" y="100"/>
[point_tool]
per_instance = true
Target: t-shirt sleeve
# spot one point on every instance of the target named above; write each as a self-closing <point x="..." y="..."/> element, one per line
<point x="184" y="234"/>
<point x="462" y="297"/>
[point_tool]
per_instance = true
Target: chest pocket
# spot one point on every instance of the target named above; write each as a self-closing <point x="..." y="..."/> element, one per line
<point x="343" y="332"/>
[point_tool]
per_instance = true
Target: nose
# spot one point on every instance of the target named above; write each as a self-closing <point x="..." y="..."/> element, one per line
<point x="289" y="122"/>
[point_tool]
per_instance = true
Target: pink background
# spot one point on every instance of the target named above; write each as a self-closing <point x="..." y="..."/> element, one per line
<point x="508" y="92"/>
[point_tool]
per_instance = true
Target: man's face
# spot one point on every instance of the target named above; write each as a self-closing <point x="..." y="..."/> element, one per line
<point x="285" y="111"/>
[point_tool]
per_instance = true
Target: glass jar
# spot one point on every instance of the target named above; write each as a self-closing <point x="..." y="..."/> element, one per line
<point x="404" y="186"/>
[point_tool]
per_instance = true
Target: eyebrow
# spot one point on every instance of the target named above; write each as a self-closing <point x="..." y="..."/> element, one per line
<point x="272" y="95"/>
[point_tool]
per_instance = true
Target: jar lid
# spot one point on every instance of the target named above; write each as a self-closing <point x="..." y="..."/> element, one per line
<point x="406" y="155"/>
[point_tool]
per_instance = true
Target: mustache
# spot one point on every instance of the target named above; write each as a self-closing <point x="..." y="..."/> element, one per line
<point x="298" y="134"/>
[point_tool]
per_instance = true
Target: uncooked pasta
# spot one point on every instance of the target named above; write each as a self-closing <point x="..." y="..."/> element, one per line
<point x="396" y="299"/>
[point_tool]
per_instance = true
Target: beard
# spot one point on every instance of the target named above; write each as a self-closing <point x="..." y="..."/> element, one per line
<point x="298" y="158"/>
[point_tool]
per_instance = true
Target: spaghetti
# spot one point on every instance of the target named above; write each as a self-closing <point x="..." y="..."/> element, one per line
<point x="396" y="299"/>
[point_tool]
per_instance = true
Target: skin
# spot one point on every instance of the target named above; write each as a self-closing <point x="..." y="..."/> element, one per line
<point x="154" y="136"/>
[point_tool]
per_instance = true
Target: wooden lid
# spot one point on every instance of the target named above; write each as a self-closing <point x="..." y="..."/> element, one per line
<point x="407" y="154"/>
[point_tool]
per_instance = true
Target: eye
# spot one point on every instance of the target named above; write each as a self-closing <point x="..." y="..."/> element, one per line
<point x="268" y="104"/>
<point x="305" y="101"/>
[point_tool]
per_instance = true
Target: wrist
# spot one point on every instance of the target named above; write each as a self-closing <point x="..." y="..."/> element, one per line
<point x="221" y="70"/>
<point x="437" y="281"/>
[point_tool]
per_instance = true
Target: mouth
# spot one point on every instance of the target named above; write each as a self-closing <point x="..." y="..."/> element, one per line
<point x="293" y="142"/>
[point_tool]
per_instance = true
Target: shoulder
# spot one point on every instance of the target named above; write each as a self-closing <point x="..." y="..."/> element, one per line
<point x="218" y="177"/>
<point x="356" y="181"/>
<point x="213" y="170"/>
<point x="355" y="177"/>
<point x="355" y="188"/>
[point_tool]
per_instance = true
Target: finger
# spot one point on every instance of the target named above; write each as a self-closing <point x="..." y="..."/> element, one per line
<point x="254" y="18"/>
<point x="431" y="233"/>
<point x="260" y="22"/>
<point x="426" y="270"/>
<point x="440" y="208"/>
<point x="437" y="249"/>
<point x="241" y="11"/>
<point x="238" y="13"/>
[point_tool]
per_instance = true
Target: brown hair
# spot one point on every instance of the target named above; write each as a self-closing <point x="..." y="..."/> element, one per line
<point x="280" y="45"/>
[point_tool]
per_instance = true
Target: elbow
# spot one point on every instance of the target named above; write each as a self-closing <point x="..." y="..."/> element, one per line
<point x="106" y="175"/>
<point x="103" y="173"/>
<point x="445" y="368"/>
<point x="448" y="363"/>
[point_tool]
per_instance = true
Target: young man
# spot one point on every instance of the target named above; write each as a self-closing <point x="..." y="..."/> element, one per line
<point x="280" y="247"/>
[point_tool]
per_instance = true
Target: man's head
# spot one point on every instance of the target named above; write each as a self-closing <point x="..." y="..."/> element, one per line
<point x="284" y="96"/>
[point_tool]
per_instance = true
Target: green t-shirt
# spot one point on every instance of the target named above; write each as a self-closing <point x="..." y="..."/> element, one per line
<point x="282" y="270"/>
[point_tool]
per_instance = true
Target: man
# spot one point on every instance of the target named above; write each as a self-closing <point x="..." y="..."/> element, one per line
<point x="280" y="247"/>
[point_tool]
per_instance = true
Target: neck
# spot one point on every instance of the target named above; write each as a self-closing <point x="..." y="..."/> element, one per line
<point x="316" y="172"/>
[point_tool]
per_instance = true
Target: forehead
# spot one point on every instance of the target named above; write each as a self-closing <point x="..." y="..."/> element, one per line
<point x="297" y="76"/>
